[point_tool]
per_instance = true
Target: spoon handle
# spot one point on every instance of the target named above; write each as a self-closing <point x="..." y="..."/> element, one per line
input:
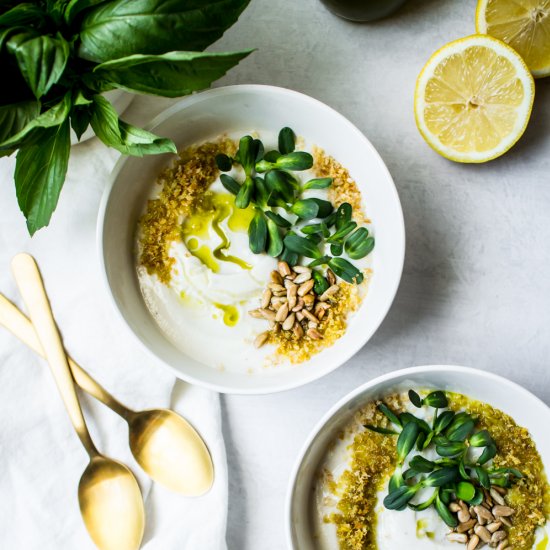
<point x="32" y="289"/>
<point x="12" y="319"/>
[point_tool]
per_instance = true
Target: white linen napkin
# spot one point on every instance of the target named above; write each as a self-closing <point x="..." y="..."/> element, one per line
<point x="41" y="458"/>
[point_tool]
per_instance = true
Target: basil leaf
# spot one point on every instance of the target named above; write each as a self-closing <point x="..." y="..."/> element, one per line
<point x="302" y="246"/>
<point x="383" y="431"/>
<point x="75" y="7"/>
<point x="120" y="28"/>
<point x="122" y="136"/>
<point x="23" y="14"/>
<point x="14" y="117"/>
<point x="396" y="480"/>
<point x="261" y="194"/>
<point x="80" y="120"/>
<point x="172" y="74"/>
<point x="315" y="228"/>
<point x="336" y="249"/>
<point x="345" y="270"/>
<point x="426" y="504"/>
<point x="271" y="156"/>
<point x="257" y="233"/>
<point x="40" y="173"/>
<point x="48" y="119"/>
<point x="42" y="61"/>
<point x="291" y="258"/>
<point x="287" y="140"/>
<point x="323" y="260"/>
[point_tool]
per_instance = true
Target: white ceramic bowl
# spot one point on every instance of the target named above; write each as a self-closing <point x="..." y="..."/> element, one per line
<point x="526" y="409"/>
<point x="245" y="108"/>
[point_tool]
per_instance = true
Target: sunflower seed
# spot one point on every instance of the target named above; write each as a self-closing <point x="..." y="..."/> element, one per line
<point x="276" y="278"/>
<point x="331" y="278"/>
<point x="500" y="490"/>
<point x="497" y="497"/>
<point x="311" y="324"/>
<point x="301" y="269"/>
<point x="502" y="511"/>
<point x="284" y="269"/>
<point x="482" y="533"/>
<point x="299" y="305"/>
<point x="483" y="513"/>
<point x="457" y="537"/>
<point x="266" y="297"/>
<point x="299" y="315"/>
<point x="309" y="300"/>
<point x="261" y="339"/>
<point x="310" y="317"/>
<point x="282" y="313"/>
<point x="306" y="287"/>
<point x="289" y="322"/>
<point x="267" y="314"/>
<point x="275" y="287"/>
<point x="493" y="527"/>
<point x="298" y="330"/>
<point x="472" y="544"/>
<point x="454" y="507"/>
<point x="292" y="300"/>
<point x="504" y="544"/>
<point x="302" y="278"/>
<point x="498" y="536"/>
<point x="256" y="313"/>
<point x="463" y="527"/>
<point x="314" y="334"/>
<point x="329" y="293"/>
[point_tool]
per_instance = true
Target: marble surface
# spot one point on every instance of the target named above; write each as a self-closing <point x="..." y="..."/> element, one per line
<point x="475" y="289"/>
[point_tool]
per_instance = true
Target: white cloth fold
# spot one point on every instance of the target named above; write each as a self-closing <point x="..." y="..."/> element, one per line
<point x="41" y="459"/>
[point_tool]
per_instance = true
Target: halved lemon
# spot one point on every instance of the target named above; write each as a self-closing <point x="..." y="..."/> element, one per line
<point x="473" y="99"/>
<point x="522" y="24"/>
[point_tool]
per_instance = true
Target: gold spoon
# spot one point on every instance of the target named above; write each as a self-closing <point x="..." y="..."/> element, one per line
<point x="108" y="493"/>
<point x="163" y="443"/>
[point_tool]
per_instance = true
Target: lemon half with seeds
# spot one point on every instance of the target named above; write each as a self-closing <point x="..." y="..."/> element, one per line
<point x="473" y="99"/>
<point x="522" y="24"/>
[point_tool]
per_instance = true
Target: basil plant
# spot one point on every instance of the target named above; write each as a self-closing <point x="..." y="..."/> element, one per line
<point x="59" y="56"/>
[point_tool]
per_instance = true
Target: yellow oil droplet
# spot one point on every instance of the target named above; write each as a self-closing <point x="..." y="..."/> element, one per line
<point x="230" y="314"/>
<point x="543" y="543"/>
<point x="240" y="218"/>
<point x="213" y="209"/>
<point x="204" y="254"/>
<point x="192" y="244"/>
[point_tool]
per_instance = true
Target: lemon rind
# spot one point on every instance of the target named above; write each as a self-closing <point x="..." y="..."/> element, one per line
<point x="481" y="28"/>
<point x="505" y="145"/>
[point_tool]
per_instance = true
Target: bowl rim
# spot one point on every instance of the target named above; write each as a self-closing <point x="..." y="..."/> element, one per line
<point x="320" y="424"/>
<point x="400" y="237"/>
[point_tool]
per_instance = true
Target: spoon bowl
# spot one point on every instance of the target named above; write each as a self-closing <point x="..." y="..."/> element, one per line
<point x="170" y="450"/>
<point x="109" y="496"/>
